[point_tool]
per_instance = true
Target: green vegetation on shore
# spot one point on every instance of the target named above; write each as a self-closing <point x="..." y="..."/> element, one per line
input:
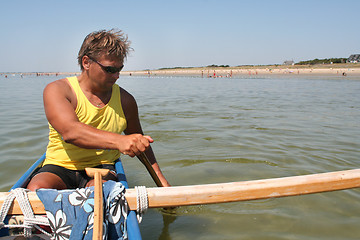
<point x="171" y="68"/>
<point x="322" y="61"/>
<point x="210" y="66"/>
<point x="321" y="64"/>
<point x="317" y="63"/>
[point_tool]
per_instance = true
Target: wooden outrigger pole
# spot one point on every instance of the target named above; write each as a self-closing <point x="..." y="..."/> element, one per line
<point x="229" y="192"/>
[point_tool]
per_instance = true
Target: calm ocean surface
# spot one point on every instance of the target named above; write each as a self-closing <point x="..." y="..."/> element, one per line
<point x="221" y="130"/>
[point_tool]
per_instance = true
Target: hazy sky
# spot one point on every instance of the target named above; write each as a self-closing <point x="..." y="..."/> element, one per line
<point x="45" y="35"/>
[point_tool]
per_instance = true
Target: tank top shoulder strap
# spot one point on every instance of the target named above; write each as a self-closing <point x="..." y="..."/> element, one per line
<point x="74" y="83"/>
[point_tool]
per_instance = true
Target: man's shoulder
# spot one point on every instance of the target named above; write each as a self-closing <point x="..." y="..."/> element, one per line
<point x="58" y="86"/>
<point x="59" y="83"/>
<point x="128" y="102"/>
<point x="126" y="95"/>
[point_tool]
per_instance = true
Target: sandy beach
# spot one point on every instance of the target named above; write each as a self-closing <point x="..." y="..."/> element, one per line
<point x="336" y="70"/>
<point x="342" y="70"/>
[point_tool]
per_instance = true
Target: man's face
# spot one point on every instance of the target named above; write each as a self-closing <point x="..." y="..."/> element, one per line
<point x="106" y="70"/>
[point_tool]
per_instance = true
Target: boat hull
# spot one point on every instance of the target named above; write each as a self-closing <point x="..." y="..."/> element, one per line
<point x="132" y="223"/>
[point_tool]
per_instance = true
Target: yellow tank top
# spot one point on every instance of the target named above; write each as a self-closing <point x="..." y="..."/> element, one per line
<point x="108" y="118"/>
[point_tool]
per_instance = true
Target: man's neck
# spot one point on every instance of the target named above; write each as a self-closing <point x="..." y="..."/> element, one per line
<point x="92" y="91"/>
<point x="91" y="87"/>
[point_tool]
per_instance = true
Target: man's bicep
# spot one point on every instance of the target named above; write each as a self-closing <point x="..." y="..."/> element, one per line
<point x="58" y="109"/>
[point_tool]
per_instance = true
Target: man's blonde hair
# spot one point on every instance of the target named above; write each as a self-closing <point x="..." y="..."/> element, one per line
<point x="112" y="42"/>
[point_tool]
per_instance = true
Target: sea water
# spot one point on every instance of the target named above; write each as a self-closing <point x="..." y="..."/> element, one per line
<point x="214" y="130"/>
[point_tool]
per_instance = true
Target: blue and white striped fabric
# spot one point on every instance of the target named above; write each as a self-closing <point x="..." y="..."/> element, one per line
<point x="71" y="212"/>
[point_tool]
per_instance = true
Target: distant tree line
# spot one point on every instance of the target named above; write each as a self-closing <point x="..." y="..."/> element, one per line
<point x="322" y="61"/>
<point x="309" y="62"/>
<point x="173" y="68"/>
<point x="212" y="66"/>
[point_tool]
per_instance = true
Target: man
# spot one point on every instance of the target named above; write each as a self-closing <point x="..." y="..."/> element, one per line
<point x="87" y="115"/>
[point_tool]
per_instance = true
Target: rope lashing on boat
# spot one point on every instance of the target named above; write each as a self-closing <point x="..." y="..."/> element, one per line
<point x="30" y="220"/>
<point x="142" y="201"/>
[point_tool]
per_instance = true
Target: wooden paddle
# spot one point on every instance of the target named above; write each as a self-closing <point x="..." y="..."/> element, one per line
<point x="227" y="192"/>
<point x="144" y="159"/>
<point x="97" y="174"/>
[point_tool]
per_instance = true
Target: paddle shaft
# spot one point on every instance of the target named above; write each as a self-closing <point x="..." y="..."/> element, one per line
<point x="144" y="159"/>
<point x="98" y="200"/>
<point x="98" y="211"/>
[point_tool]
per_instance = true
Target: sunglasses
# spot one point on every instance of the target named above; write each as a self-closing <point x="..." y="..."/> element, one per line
<point x="108" y="69"/>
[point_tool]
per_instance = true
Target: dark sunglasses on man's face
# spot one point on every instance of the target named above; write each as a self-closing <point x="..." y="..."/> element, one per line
<point x="108" y="69"/>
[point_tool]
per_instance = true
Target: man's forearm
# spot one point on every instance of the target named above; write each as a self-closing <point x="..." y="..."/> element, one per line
<point x="85" y="136"/>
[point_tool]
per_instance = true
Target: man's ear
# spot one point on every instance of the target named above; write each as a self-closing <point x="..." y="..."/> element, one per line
<point x="86" y="62"/>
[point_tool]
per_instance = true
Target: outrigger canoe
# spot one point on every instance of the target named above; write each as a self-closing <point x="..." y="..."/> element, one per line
<point x="213" y="193"/>
<point x="133" y="229"/>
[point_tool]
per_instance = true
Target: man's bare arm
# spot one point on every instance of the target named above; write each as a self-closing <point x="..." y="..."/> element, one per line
<point x="59" y="109"/>
<point x="134" y="127"/>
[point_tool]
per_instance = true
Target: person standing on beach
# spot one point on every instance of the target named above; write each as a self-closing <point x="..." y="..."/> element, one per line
<point x="87" y="115"/>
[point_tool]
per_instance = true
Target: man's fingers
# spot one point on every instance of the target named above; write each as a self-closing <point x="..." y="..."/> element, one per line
<point x="136" y="144"/>
<point x="143" y="143"/>
<point x="149" y="138"/>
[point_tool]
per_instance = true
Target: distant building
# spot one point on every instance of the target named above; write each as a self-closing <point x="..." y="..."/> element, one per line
<point x="289" y="62"/>
<point x="354" y="58"/>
